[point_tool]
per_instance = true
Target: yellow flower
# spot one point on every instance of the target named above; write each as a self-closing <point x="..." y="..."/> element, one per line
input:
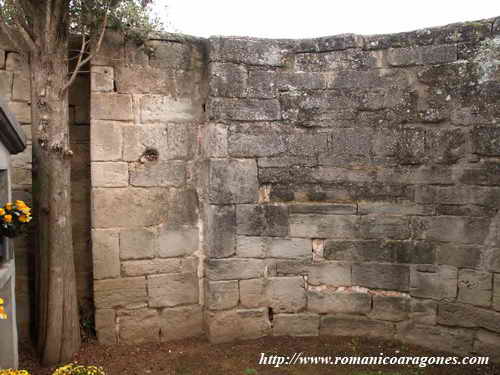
<point x="1" y="301"/>
<point x="26" y="210"/>
<point x="2" y="212"/>
<point x="23" y="219"/>
<point x="7" y="218"/>
<point x="8" y="206"/>
<point x="20" y="203"/>
<point x="3" y="314"/>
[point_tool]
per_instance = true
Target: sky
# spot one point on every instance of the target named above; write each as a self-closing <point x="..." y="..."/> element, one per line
<point x="314" y="18"/>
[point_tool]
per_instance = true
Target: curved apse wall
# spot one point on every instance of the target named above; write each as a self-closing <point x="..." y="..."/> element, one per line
<point x="346" y="185"/>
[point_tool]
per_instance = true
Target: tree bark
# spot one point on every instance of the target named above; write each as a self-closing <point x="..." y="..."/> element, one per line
<point x="58" y="336"/>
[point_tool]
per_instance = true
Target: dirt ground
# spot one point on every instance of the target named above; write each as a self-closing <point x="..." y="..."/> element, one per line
<point x="199" y="357"/>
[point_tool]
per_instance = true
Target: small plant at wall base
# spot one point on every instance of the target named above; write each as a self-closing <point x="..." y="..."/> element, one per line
<point x="10" y="371"/>
<point x="14" y="218"/>
<point x="76" y="369"/>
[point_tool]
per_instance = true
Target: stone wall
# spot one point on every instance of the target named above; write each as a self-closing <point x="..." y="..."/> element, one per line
<point x="146" y="110"/>
<point x="353" y="187"/>
<point x="346" y="185"/>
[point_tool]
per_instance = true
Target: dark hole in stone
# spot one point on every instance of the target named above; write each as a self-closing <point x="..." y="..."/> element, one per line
<point x="151" y="154"/>
<point x="271" y="314"/>
<point x="204" y="106"/>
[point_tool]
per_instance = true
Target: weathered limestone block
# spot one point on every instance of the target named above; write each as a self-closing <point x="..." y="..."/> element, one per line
<point x="466" y="230"/>
<point x="182" y="208"/>
<point x="233" y="181"/>
<point x="424" y="174"/>
<point x="306" y="143"/>
<point x="327" y="301"/>
<point x="246" y="51"/>
<point x="348" y="147"/>
<point x="256" y="145"/>
<point x="262" y="220"/>
<point x="150" y="266"/>
<point x="220" y="231"/>
<point x="106" y="106"/>
<point x="392" y="308"/>
<point x="243" y="109"/>
<point x="147" y="207"/>
<point x="321" y="226"/>
<point x="262" y="84"/>
<point x="487" y="344"/>
<point x="496" y="291"/>
<point x="323" y="208"/>
<point x="22" y="111"/>
<point x="234" y="269"/>
<point x="252" y="247"/>
<point x="139" y="326"/>
<point x="173" y="289"/>
<point x="436" y="338"/>
<point x="6" y="84"/>
<point x="391" y="208"/>
<point x="252" y="293"/>
<point x="138" y="243"/>
<point x="288" y="248"/>
<point x="225" y="326"/>
<point x="291" y="176"/>
<point x="222" y="295"/>
<point x="423" y="311"/>
<point x="160" y="173"/>
<point x="486" y="140"/>
<point x="330" y="273"/>
<point x="285" y="161"/>
<point x="458" y="255"/>
<point x="484" y="173"/>
<point x="447" y="146"/>
<point x="176" y="242"/>
<point x="299" y="325"/>
<point x="172" y="54"/>
<point x="460" y="315"/>
<point x="285" y="294"/>
<point x="475" y="287"/>
<point x="215" y="140"/>
<point x="351" y="59"/>
<point x="412" y="252"/>
<point x="181" y="141"/>
<point x="141" y="138"/>
<point x="102" y="78"/>
<point x="355" y="250"/>
<point x="328" y="175"/>
<point x="111" y="51"/>
<point x="160" y="108"/>
<point x="436" y="282"/>
<point x="120" y="292"/>
<point x="181" y="322"/>
<point x="109" y="174"/>
<point x="385" y="227"/>
<point x="106" y="251"/>
<point x="381" y="276"/>
<point x="439" y="54"/>
<point x="21" y="87"/>
<point x="227" y="80"/>
<point x="105" y="141"/>
<point x="260" y="247"/>
<point x="105" y="326"/>
<point x="352" y="325"/>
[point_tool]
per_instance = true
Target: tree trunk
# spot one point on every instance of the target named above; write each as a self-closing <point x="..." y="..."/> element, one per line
<point x="58" y="336"/>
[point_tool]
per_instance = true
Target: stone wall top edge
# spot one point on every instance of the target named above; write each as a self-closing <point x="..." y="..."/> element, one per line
<point x="351" y="40"/>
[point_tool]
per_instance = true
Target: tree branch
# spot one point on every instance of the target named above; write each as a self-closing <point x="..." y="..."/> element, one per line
<point x="14" y="38"/>
<point x="22" y="26"/>
<point x="82" y="61"/>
